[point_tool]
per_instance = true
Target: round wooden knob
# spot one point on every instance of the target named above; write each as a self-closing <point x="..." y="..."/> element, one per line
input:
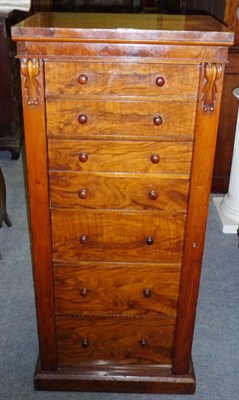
<point x="85" y="343"/>
<point x="82" y="119"/>
<point x="160" y="81"/>
<point x="83" y="157"/>
<point x="155" y="158"/>
<point x="82" y="194"/>
<point x="143" y="342"/>
<point x="153" y="195"/>
<point x="147" y="293"/>
<point x="83" y="239"/>
<point x="83" y="79"/>
<point x="149" y="240"/>
<point x="84" y="292"/>
<point x="157" y="120"/>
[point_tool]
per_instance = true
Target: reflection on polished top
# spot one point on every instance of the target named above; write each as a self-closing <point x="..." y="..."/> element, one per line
<point x="120" y="27"/>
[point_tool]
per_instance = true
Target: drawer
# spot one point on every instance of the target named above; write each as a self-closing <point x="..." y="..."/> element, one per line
<point x="120" y="191"/>
<point x="121" y="340"/>
<point x="117" y="289"/>
<point x="117" y="236"/>
<point x="71" y="79"/>
<point x="120" y="156"/>
<point x="119" y="118"/>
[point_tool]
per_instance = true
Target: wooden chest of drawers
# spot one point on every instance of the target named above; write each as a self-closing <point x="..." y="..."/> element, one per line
<point x="121" y="116"/>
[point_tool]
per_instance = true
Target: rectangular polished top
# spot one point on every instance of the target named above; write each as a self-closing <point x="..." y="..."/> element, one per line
<point x="121" y="28"/>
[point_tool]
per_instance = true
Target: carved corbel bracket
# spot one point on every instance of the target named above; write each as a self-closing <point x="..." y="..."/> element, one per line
<point x="212" y="73"/>
<point x="30" y="68"/>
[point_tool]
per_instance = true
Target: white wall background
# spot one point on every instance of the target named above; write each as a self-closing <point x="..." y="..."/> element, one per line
<point x="9" y="5"/>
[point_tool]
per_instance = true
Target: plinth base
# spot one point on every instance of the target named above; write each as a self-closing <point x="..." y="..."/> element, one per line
<point x="116" y="378"/>
<point x="228" y="226"/>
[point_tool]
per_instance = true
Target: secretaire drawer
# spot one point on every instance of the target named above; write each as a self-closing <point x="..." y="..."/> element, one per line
<point x="118" y="191"/>
<point x="85" y="118"/>
<point x="117" y="236"/>
<point x="116" y="289"/>
<point x="71" y="79"/>
<point x="120" y="156"/>
<point x="121" y="340"/>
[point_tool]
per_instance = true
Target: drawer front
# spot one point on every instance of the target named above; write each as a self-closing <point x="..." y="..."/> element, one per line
<point x="117" y="289"/>
<point x="121" y="191"/>
<point x="117" y="236"/>
<point x="119" y="118"/>
<point x="116" y="156"/>
<point x="69" y="79"/>
<point x="121" y="340"/>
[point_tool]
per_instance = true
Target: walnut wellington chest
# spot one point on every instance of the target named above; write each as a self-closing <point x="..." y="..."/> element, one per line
<point x="120" y="115"/>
